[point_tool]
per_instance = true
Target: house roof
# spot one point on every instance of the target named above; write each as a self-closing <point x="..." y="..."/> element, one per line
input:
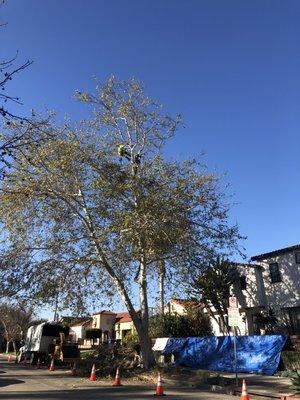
<point x="186" y="302"/>
<point x="246" y="265"/>
<point x="123" y="317"/>
<point x="84" y="323"/>
<point x="276" y="253"/>
<point x="104" y="312"/>
<point x="69" y="320"/>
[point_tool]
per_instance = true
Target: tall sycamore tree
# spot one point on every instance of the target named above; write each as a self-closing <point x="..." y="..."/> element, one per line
<point x="97" y="207"/>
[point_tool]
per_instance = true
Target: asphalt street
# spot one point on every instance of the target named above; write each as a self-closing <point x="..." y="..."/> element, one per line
<point x="28" y="383"/>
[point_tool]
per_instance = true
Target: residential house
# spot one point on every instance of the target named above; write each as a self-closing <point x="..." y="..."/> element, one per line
<point x="108" y="324"/>
<point x="178" y="306"/>
<point x="105" y="321"/>
<point x="281" y="277"/>
<point x="70" y="320"/>
<point x="251" y="300"/>
<point x="78" y="331"/>
<point x="123" y="326"/>
<point x="249" y="291"/>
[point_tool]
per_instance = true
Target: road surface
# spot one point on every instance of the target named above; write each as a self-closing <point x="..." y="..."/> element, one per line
<point x="28" y="383"/>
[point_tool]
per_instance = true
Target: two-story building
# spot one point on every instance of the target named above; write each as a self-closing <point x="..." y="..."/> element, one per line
<point x="281" y="278"/>
<point x="105" y="322"/>
<point x="249" y="291"/>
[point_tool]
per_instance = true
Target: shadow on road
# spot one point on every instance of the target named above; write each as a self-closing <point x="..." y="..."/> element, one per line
<point x="7" y="382"/>
<point x="94" y="394"/>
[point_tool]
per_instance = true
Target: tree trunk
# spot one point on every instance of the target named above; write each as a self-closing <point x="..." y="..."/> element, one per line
<point x="7" y="346"/>
<point x="146" y="349"/>
<point x="143" y="332"/>
<point x="161" y="274"/>
<point x="14" y="346"/>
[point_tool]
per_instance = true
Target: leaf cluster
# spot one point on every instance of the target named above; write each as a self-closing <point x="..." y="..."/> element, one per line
<point x="193" y="323"/>
<point x="83" y="218"/>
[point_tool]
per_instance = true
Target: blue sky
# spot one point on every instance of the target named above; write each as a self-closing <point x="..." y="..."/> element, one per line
<point x="230" y="67"/>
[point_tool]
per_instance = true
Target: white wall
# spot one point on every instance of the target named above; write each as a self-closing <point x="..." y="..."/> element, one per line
<point x="254" y="294"/>
<point x="287" y="292"/>
<point x="76" y="332"/>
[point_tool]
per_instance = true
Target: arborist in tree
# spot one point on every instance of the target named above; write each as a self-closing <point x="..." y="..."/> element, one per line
<point x="123" y="152"/>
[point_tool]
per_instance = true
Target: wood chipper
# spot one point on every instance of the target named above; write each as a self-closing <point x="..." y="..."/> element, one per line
<point x="46" y="341"/>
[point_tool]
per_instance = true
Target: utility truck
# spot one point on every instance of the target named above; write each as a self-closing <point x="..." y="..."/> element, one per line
<point x="46" y="341"/>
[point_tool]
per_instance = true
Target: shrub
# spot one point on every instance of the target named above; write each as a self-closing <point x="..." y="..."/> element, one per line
<point x="291" y="360"/>
<point x="296" y="382"/>
<point x="193" y="323"/>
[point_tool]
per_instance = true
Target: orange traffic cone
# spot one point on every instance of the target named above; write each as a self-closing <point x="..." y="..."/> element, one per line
<point x="38" y="364"/>
<point x="51" y="368"/>
<point x="117" y="381"/>
<point x="93" y="373"/>
<point x="73" y="370"/>
<point x="245" y="395"/>
<point x="159" y="388"/>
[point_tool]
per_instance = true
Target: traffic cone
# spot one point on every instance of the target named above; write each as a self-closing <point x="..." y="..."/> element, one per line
<point x="73" y="370"/>
<point x="245" y="395"/>
<point x="51" y="368"/>
<point x="38" y="364"/>
<point x="159" y="388"/>
<point x="117" y="381"/>
<point x="93" y="373"/>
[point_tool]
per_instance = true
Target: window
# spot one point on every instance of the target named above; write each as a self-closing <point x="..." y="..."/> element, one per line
<point x="274" y="273"/>
<point x="297" y="257"/>
<point x="294" y="314"/>
<point x="243" y="282"/>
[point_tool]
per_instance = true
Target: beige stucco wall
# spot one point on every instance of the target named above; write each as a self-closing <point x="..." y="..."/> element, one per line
<point x="174" y="308"/>
<point x="105" y="322"/>
<point x="120" y="328"/>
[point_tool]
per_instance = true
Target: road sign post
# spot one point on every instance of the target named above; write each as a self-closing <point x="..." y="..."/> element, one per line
<point x="233" y="321"/>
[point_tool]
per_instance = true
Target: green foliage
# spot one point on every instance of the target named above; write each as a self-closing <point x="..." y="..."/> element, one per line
<point x="212" y="285"/>
<point x="267" y="320"/>
<point x="81" y="219"/>
<point x="296" y="382"/>
<point x="131" y="339"/>
<point x="193" y="323"/>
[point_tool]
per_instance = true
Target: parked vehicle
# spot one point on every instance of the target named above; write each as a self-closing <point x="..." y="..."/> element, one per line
<point x="46" y="341"/>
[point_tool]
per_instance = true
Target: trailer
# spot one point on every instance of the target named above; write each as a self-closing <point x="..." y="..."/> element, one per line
<point x="48" y="340"/>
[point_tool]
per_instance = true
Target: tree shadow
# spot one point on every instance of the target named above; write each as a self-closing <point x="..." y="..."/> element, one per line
<point x="122" y="393"/>
<point x="7" y="382"/>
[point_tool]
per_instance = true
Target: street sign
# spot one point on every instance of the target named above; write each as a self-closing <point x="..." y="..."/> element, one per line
<point x="232" y="302"/>
<point x="233" y="316"/>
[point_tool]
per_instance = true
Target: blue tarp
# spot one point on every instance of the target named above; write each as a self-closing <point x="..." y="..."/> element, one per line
<point x="255" y="354"/>
<point x="175" y="345"/>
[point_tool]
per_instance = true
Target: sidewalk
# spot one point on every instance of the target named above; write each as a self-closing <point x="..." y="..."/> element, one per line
<point x="263" y="385"/>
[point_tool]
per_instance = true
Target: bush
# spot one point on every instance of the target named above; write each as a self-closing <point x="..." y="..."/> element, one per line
<point x="296" y="382"/>
<point x="193" y="323"/>
<point x="291" y="360"/>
